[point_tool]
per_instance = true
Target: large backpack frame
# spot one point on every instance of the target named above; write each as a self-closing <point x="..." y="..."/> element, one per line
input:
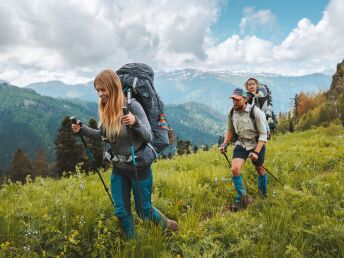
<point x="265" y="104"/>
<point x="267" y="98"/>
<point x="139" y="78"/>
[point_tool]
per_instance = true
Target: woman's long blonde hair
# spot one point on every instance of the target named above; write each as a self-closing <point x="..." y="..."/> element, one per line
<point x="110" y="113"/>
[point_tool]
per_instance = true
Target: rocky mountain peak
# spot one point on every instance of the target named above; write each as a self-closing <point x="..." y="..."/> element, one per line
<point x="337" y="85"/>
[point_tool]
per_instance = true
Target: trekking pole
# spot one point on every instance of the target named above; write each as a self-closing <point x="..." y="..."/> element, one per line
<point x="229" y="163"/>
<point x="126" y="112"/>
<point x="224" y="154"/>
<point x="90" y="156"/>
<point x="271" y="175"/>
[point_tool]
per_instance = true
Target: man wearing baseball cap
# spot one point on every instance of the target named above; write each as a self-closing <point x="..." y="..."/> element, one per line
<point x="246" y="127"/>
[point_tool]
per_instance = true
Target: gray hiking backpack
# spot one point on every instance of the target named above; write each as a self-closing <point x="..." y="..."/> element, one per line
<point x="140" y="79"/>
<point x="264" y="103"/>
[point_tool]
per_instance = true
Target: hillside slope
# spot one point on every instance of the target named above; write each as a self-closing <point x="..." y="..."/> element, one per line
<point x="30" y="121"/>
<point x="196" y="122"/>
<point x="73" y="217"/>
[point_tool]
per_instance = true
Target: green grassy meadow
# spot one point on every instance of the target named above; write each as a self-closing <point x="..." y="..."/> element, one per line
<point x="73" y="217"/>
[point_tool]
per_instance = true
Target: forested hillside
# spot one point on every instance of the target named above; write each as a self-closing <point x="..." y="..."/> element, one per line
<point x="30" y="121"/>
<point x="196" y="122"/>
<point x="317" y="109"/>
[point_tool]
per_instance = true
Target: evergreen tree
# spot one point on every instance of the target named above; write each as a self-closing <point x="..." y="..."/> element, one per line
<point x="206" y="147"/>
<point x="188" y="147"/>
<point x="195" y="149"/>
<point x="21" y="166"/>
<point x="184" y="147"/>
<point x="180" y="147"/>
<point x="40" y="164"/>
<point x="96" y="149"/>
<point x="291" y="123"/>
<point x="68" y="152"/>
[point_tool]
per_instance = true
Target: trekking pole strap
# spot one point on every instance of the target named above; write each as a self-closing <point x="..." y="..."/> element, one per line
<point x="132" y="151"/>
<point x="133" y="155"/>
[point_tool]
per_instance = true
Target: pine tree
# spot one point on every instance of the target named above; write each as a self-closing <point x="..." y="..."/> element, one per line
<point x="95" y="147"/>
<point x="40" y="164"/>
<point x="183" y="147"/>
<point x="188" y="147"/>
<point x="180" y="147"/>
<point x="68" y="152"/>
<point x="291" y="123"/>
<point x="206" y="147"/>
<point x="21" y="166"/>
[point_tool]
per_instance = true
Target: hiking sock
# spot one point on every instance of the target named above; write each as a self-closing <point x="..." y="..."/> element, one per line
<point x="239" y="187"/>
<point x="158" y="217"/>
<point x="127" y="226"/>
<point x="263" y="184"/>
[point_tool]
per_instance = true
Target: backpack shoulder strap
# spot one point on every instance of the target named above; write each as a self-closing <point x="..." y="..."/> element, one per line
<point x="252" y="115"/>
<point x="231" y="113"/>
<point x="253" y="119"/>
<point x="235" y="135"/>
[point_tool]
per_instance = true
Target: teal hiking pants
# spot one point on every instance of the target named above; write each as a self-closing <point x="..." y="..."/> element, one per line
<point x="122" y="183"/>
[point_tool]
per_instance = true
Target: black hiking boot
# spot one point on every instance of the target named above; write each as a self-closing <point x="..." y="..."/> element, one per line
<point x="172" y="225"/>
<point x="244" y="202"/>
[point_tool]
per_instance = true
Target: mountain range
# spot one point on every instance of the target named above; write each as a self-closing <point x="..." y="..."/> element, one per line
<point x="197" y="102"/>
<point x="207" y="87"/>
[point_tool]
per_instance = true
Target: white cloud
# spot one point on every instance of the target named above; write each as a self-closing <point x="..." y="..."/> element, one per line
<point x="57" y="36"/>
<point x="237" y="50"/>
<point x="323" y="41"/>
<point x="256" y="19"/>
<point x="308" y="48"/>
<point x="74" y="40"/>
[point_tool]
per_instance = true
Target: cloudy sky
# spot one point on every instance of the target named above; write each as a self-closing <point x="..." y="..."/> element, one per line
<point x="72" y="40"/>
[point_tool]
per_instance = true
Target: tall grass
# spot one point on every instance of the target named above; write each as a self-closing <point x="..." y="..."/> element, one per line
<point x="73" y="217"/>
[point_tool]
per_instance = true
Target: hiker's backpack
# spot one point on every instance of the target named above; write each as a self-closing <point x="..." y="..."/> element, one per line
<point x="139" y="78"/>
<point x="265" y="104"/>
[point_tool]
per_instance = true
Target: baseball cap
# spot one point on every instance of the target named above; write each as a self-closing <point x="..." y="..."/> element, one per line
<point x="239" y="93"/>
